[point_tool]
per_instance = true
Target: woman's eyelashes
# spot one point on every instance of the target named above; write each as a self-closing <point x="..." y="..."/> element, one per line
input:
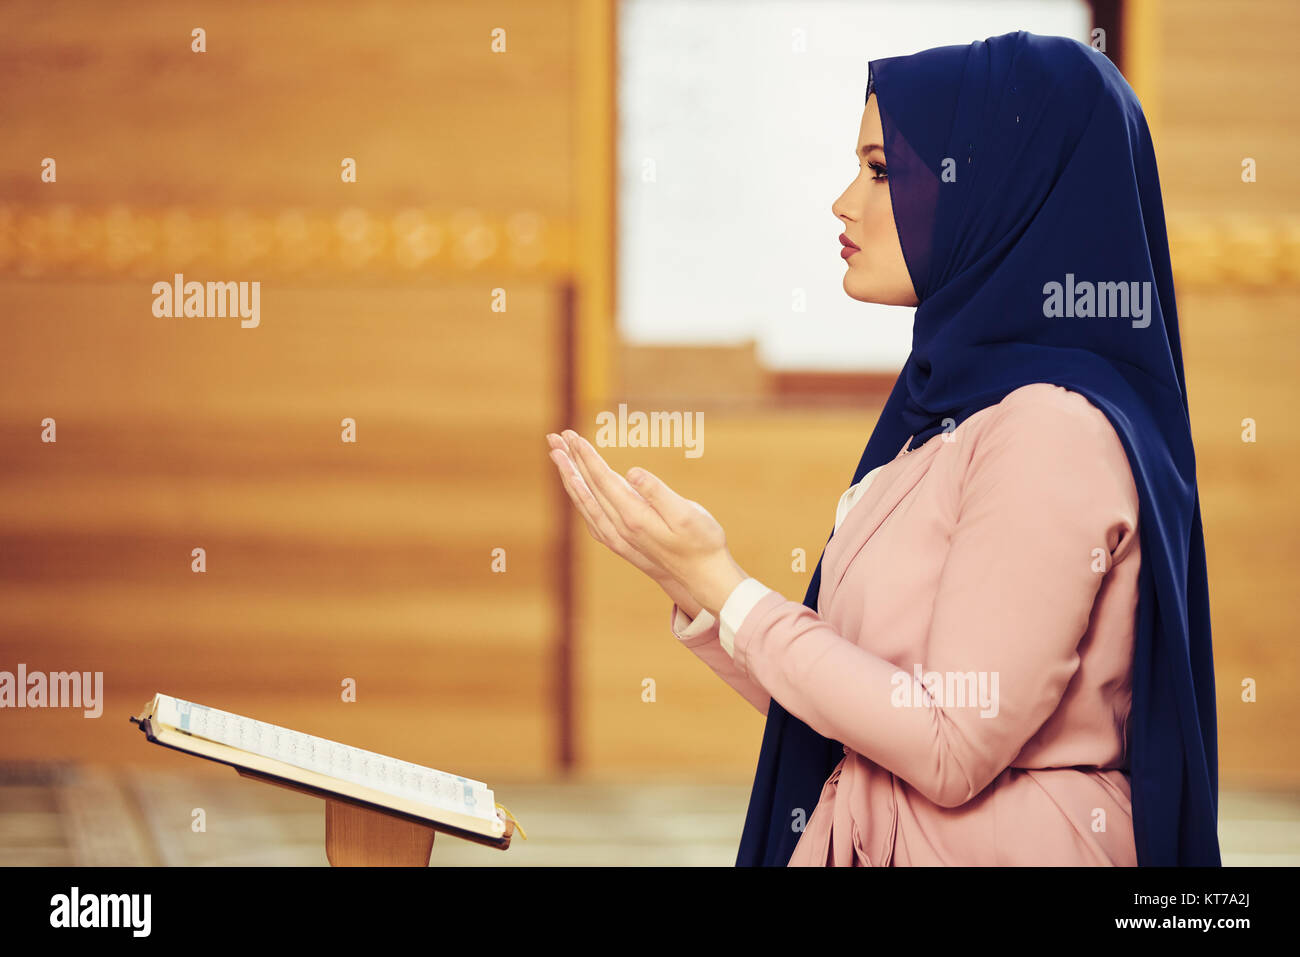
<point x="879" y="170"/>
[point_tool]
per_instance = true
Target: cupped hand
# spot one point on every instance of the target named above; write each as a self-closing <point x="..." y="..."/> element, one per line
<point x="646" y="522"/>
<point x="600" y="526"/>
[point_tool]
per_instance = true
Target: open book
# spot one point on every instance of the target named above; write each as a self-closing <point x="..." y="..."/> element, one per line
<point x="450" y="803"/>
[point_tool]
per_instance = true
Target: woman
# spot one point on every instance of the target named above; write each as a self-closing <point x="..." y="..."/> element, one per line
<point x="1004" y="654"/>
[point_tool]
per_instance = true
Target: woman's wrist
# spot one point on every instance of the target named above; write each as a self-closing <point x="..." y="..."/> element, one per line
<point x="716" y="581"/>
<point x="681" y="597"/>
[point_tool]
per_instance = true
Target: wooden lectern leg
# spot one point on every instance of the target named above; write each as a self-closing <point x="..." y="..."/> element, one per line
<point x="359" y="837"/>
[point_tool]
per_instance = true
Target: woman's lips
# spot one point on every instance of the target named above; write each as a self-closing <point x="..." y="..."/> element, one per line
<point x="849" y="249"/>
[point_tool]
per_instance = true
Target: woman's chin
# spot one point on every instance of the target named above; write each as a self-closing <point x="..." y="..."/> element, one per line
<point x="864" y="289"/>
<point x="859" y="288"/>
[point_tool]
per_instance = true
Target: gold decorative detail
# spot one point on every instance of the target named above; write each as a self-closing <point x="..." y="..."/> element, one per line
<point x="411" y="243"/>
<point x="1234" y="250"/>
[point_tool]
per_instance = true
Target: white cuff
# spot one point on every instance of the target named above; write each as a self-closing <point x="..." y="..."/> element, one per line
<point x="732" y="614"/>
<point x="684" y="628"/>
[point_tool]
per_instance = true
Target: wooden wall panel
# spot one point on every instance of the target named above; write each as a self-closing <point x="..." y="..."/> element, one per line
<point x="409" y="88"/>
<point x="325" y="560"/>
<point x="1242" y="353"/>
<point x="1226" y="80"/>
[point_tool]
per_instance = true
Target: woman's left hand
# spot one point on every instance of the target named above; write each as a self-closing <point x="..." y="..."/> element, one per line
<point x="676" y="533"/>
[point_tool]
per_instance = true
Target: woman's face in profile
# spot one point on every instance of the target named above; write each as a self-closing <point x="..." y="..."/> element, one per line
<point x="876" y="269"/>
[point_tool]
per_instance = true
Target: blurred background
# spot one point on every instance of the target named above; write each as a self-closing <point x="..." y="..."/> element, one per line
<point x="474" y="223"/>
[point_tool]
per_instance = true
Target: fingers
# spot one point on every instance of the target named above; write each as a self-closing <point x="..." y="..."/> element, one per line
<point x="584" y="468"/>
<point x="577" y="489"/>
<point x="563" y="460"/>
<point x="629" y="512"/>
<point x="569" y="474"/>
<point x="598" y="523"/>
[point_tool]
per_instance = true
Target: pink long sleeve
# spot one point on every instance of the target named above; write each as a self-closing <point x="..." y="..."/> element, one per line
<point x="708" y="648"/>
<point x="1042" y="484"/>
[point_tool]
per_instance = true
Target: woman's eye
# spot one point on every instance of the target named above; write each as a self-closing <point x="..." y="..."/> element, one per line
<point x="880" y="171"/>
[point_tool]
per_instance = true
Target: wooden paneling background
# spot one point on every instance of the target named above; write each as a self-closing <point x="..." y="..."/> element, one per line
<point x="1225" y="87"/>
<point x="372" y="560"/>
<point x="325" y="560"/>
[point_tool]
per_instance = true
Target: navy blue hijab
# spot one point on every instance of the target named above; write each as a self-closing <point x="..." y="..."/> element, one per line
<point x="1017" y="162"/>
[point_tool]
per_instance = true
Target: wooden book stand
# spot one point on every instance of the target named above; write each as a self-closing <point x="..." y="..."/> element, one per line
<point x="359" y="835"/>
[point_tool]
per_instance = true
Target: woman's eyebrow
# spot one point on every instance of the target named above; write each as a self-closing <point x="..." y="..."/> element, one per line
<point x="867" y="148"/>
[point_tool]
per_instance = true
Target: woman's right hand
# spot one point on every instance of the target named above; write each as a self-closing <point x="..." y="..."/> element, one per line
<point x="603" y="530"/>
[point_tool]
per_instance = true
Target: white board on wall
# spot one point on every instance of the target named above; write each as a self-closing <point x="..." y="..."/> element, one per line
<point x="737" y="125"/>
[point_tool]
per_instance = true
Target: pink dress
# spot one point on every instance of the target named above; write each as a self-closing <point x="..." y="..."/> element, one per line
<point x="973" y="648"/>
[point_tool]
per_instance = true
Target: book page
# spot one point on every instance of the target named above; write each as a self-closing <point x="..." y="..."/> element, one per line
<point x="366" y="768"/>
